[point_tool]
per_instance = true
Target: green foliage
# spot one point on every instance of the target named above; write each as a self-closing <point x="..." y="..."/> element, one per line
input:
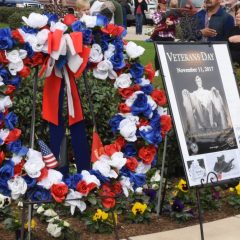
<point x="14" y="20"/>
<point x="234" y="200"/>
<point x="12" y="223"/>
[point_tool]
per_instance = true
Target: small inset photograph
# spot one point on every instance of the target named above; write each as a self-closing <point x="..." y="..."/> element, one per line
<point x="196" y="169"/>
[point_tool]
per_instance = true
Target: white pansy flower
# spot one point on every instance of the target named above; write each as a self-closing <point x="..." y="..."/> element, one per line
<point x="143" y="168"/>
<point x="4" y="201"/>
<point x="75" y="203"/>
<point x="51" y="220"/>
<point x="66" y="224"/>
<point x="17" y="186"/>
<point x="128" y="130"/>
<point x="156" y="177"/>
<point x="54" y="230"/>
<point x="155" y="186"/>
<point x="109" y="52"/>
<point x="50" y="213"/>
<point x="53" y="177"/>
<point x="103" y="166"/>
<point x="96" y="55"/>
<point x="133" y="50"/>
<point x="36" y="20"/>
<point x="123" y="81"/>
<point x="126" y="185"/>
<point x="139" y="190"/>
<point x="40" y="210"/>
<point x="117" y="160"/>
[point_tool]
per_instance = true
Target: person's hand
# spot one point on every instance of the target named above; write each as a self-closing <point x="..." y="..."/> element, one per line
<point x="234" y="39"/>
<point x="208" y="32"/>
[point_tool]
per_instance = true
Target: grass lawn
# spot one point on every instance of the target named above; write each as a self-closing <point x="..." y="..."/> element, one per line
<point x="2" y="25"/>
<point x="148" y="57"/>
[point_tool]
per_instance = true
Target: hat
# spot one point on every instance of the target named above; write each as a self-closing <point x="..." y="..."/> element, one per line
<point x="162" y="1"/>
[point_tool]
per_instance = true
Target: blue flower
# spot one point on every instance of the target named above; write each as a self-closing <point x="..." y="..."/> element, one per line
<point x="99" y="176"/>
<point x="78" y="26"/>
<point x="38" y="193"/>
<point x="73" y="180"/>
<point x="87" y="36"/>
<point x="115" y="121"/>
<point x="117" y="61"/>
<point x="29" y="49"/>
<point x="155" y="119"/>
<point x="129" y="150"/>
<point x="118" y="43"/>
<point x="14" y="81"/>
<point x="151" y="135"/>
<point x="11" y="120"/>
<point x="6" y="172"/>
<point x="6" y="40"/>
<point x="30" y="30"/>
<point x="177" y="206"/>
<point x="138" y="179"/>
<point x="102" y="21"/>
<point x="151" y="194"/>
<point x="137" y="70"/>
<point x="17" y="148"/>
<point x="4" y="73"/>
<point x="31" y="182"/>
<point x="4" y="189"/>
<point x="147" y="89"/>
<point x="141" y="106"/>
<point x="52" y="17"/>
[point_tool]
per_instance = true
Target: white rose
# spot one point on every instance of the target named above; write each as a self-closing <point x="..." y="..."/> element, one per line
<point x="126" y="185"/>
<point x="54" y="230"/>
<point x="129" y="102"/>
<point x="96" y="55"/>
<point x="109" y="52"/>
<point x="123" y="81"/>
<point x="40" y="210"/>
<point x="151" y="102"/>
<point x="143" y="168"/>
<point x="16" y="55"/>
<point x="133" y="50"/>
<point x="128" y="130"/>
<point x="156" y="177"/>
<point x="144" y="82"/>
<point x="103" y="70"/>
<point x="50" y="213"/>
<point x="17" y="186"/>
<point x="36" y="20"/>
<point x="14" y="68"/>
<point x="89" y="178"/>
<point x="16" y="158"/>
<point x="118" y="161"/>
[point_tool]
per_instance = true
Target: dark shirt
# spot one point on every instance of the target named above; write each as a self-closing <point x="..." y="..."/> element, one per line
<point x="221" y="21"/>
<point x="142" y="4"/>
<point x="234" y="47"/>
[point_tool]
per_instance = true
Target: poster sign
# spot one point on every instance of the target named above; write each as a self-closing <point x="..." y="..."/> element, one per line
<point x="205" y="105"/>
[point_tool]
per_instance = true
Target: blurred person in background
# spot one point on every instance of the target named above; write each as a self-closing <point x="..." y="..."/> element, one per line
<point x="140" y="7"/>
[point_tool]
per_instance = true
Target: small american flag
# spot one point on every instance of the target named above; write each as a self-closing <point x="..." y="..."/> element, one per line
<point x="48" y="157"/>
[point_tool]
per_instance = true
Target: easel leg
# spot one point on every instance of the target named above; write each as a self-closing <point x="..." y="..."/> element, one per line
<point x="162" y="173"/>
<point x="200" y="213"/>
<point x="115" y="226"/>
<point x="23" y="220"/>
<point x="163" y="195"/>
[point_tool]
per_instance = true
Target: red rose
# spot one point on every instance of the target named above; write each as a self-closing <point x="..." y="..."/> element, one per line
<point x="106" y="188"/>
<point x="69" y="19"/>
<point x="159" y="97"/>
<point x="83" y="188"/>
<point x="143" y="122"/>
<point x="25" y="72"/>
<point x="113" y="29"/>
<point x="131" y="164"/>
<point x="149" y="71"/>
<point x="10" y="89"/>
<point x="117" y="187"/>
<point x="17" y="36"/>
<point x="18" y="168"/>
<point x="27" y="61"/>
<point x="2" y="157"/>
<point x="108" y="200"/>
<point x="127" y="92"/>
<point x="44" y="174"/>
<point x="13" y="135"/>
<point x="120" y="142"/>
<point x="111" y="149"/>
<point x="37" y="59"/>
<point x="122" y="107"/>
<point x="166" y="124"/>
<point x="147" y="154"/>
<point x="91" y="186"/>
<point x="59" y="191"/>
<point x="3" y="58"/>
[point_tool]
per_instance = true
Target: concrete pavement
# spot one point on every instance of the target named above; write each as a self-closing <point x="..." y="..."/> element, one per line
<point x="224" y="229"/>
<point x="131" y="33"/>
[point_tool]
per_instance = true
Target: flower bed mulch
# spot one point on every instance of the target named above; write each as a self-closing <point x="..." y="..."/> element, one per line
<point x="125" y="230"/>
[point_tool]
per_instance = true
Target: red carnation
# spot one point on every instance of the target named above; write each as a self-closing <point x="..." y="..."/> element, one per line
<point x="113" y="29"/>
<point x="37" y="59"/>
<point x="120" y="142"/>
<point x="117" y="188"/>
<point x="59" y="192"/>
<point x="83" y="188"/>
<point x="111" y="149"/>
<point x="18" y="168"/>
<point x="10" y="89"/>
<point x="159" y="97"/>
<point x="147" y="154"/>
<point x="44" y="174"/>
<point x="166" y="124"/>
<point x="149" y="71"/>
<point x="131" y="164"/>
<point x="17" y="36"/>
<point x="2" y="157"/>
<point x="25" y="72"/>
<point x="123" y="108"/>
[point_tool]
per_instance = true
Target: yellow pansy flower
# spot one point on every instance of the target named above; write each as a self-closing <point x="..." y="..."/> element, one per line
<point x="139" y="208"/>
<point x="100" y="215"/>
<point x="182" y="185"/>
<point x="238" y="188"/>
<point x="231" y="189"/>
<point x="33" y="224"/>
